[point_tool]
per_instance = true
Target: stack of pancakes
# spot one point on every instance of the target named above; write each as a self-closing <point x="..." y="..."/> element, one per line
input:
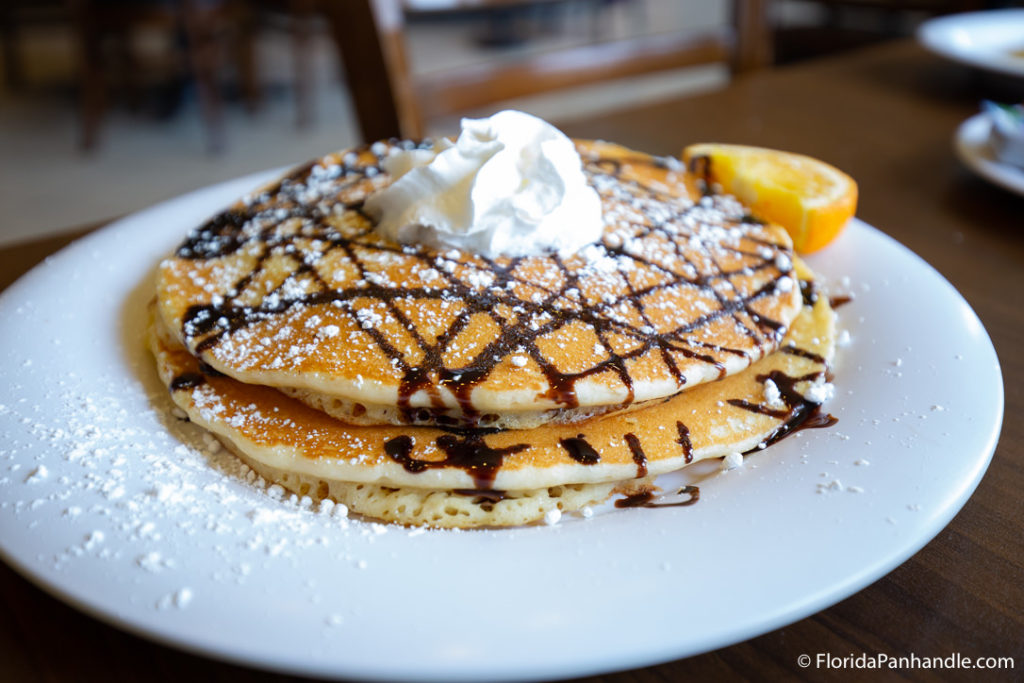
<point x="438" y="387"/>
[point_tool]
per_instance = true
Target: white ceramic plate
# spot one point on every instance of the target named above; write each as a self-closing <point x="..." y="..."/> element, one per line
<point x="986" y="40"/>
<point x="974" y="150"/>
<point x="123" y="511"/>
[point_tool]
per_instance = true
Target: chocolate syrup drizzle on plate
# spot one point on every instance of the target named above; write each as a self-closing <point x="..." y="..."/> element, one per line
<point x="259" y="225"/>
<point x="648" y="499"/>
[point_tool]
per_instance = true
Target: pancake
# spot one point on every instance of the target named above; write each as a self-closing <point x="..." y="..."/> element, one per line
<point x="291" y="288"/>
<point x="357" y="413"/>
<point x="453" y="476"/>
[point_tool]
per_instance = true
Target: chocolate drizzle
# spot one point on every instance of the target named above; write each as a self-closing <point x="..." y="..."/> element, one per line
<point x="684" y="441"/>
<point x="809" y="292"/>
<point x="838" y="300"/>
<point x="466" y="451"/>
<point x="700" y="167"/>
<point x="580" y="451"/>
<point x="647" y="499"/>
<point x="482" y="496"/>
<point x="639" y="457"/>
<point x="187" y="380"/>
<point x="288" y="224"/>
<point x="794" y="350"/>
<point x="485" y="498"/>
<point x="800" y="412"/>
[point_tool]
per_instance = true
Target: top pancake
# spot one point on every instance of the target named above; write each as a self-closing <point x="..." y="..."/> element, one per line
<point x="291" y="287"/>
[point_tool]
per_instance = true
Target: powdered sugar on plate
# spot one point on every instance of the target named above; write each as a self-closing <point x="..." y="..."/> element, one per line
<point x="127" y="483"/>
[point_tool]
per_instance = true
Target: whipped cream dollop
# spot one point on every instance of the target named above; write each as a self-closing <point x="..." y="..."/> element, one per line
<point x="510" y="185"/>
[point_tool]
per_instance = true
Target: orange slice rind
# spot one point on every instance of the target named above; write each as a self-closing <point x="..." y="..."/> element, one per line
<point x="811" y="199"/>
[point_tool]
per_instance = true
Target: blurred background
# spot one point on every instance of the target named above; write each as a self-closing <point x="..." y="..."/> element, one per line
<point x="109" y="106"/>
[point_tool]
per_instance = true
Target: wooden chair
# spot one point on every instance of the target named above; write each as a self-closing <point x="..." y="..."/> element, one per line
<point x="15" y="16"/>
<point x="391" y="102"/>
<point x="298" y="19"/>
<point x="201" y="24"/>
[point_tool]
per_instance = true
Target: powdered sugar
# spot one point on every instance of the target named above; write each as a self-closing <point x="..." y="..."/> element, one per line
<point x="179" y="599"/>
<point x="124" y="487"/>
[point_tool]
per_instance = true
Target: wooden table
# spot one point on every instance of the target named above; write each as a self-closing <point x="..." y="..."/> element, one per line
<point x="885" y="115"/>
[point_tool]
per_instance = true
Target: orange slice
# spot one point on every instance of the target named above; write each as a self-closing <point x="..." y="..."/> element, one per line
<point x="809" y="198"/>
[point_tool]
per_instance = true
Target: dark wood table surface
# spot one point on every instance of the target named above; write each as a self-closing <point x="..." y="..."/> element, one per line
<point x="887" y="116"/>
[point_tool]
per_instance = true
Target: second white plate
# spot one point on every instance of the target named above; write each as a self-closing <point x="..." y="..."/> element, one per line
<point x="992" y="40"/>
<point x="973" y="148"/>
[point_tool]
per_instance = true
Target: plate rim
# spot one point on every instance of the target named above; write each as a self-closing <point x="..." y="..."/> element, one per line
<point x="931" y="33"/>
<point x="969" y="142"/>
<point x="655" y="655"/>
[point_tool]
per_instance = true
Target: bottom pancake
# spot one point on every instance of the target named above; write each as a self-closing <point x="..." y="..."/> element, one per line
<point x="467" y="478"/>
<point x="462" y="508"/>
